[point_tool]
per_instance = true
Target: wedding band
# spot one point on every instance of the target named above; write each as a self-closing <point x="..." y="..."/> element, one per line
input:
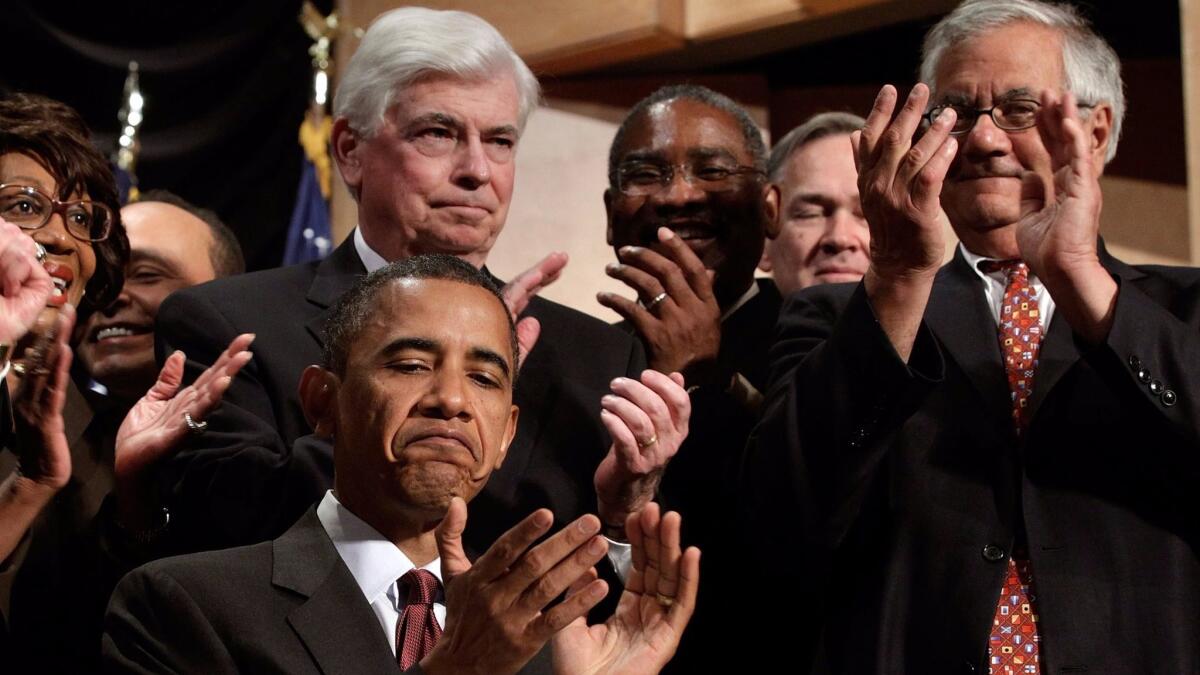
<point x="39" y="252"/>
<point x="664" y="600"/>
<point x="655" y="300"/>
<point x="194" y="426"/>
<point x="648" y="442"/>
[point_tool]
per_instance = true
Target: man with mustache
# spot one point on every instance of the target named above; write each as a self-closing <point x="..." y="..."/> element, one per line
<point x="989" y="466"/>
<point x="823" y="236"/>
<point x="429" y="115"/>
<point x="416" y="391"/>
<point x="689" y="207"/>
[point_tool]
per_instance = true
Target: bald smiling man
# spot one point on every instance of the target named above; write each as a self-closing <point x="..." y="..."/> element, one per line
<point x="174" y="245"/>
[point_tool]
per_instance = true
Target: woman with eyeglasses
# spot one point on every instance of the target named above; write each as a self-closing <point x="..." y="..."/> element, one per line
<point x="76" y="509"/>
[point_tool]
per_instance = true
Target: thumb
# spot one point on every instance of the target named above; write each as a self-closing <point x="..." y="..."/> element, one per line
<point x="528" y="330"/>
<point x="168" y="378"/>
<point x="449" y="540"/>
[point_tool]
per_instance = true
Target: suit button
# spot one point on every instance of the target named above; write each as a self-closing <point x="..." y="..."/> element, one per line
<point x="1169" y="398"/>
<point x="1157" y="388"/>
<point x="993" y="553"/>
<point x="1143" y="376"/>
<point x="1135" y="362"/>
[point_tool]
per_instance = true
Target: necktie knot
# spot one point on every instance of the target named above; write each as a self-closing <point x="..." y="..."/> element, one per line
<point x="422" y="586"/>
<point x="1010" y="268"/>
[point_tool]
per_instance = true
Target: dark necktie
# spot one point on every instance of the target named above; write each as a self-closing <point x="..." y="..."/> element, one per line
<point x="1014" y="641"/>
<point x="417" y="631"/>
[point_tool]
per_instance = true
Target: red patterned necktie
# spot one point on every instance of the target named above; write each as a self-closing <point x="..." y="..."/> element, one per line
<point x="1014" y="641"/>
<point x="417" y="631"/>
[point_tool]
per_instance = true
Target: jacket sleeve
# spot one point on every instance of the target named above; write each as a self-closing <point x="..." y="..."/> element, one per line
<point x="238" y="482"/>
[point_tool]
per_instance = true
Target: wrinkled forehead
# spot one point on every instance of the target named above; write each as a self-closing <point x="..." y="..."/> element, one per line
<point x="1015" y="60"/>
<point x="683" y="128"/>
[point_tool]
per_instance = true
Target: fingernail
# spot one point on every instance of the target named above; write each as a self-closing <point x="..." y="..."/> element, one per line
<point x="596" y="546"/>
<point x="628" y="250"/>
<point x="611" y="267"/>
<point x="665" y="233"/>
<point x="617" y="381"/>
<point x="588" y="525"/>
<point x="542" y="519"/>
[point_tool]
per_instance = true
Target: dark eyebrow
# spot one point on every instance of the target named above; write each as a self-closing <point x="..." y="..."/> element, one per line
<point x="152" y="256"/>
<point x="643" y="156"/>
<point x="433" y="346"/>
<point x="703" y="153"/>
<point x="962" y="100"/>
<point x="489" y="356"/>
<point x="416" y="343"/>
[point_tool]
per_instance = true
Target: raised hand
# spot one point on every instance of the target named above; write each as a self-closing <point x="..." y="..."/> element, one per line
<point x="900" y="182"/>
<point x="648" y="421"/>
<point x="1060" y="221"/>
<point x="655" y="607"/>
<point x="518" y="292"/>
<point x="155" y="426"/>
<point x="45" y="458"/>
<point x="24" y="284"/>
<point x="677" y="317"/>
<point x="497" y="614"/>
<point x="1060" y="218"/>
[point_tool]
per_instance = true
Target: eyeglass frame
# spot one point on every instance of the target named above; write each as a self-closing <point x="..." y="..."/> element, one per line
<point x="59" y="207"/>
<point x="688" y="175"/>
<point x="929" y="117"/>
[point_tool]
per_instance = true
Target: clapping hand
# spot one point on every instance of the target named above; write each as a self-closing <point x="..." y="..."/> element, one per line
<point x="518" y="292"/>
<point x="655" y="607"/>
<point x="24" y="284"/>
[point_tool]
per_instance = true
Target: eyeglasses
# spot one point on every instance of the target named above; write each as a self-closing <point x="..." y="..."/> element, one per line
<point x="1012" y="115"/>
<point x="29" y="208"/>
<point x="642" y="179"/>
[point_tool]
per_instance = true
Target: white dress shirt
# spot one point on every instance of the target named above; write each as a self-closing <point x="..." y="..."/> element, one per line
<point x="376" y="564"/>
<point x="994" y="284"/>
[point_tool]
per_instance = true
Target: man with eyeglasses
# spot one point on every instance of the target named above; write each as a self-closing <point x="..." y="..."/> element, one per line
<point x="990" y="466"/>
<point x="689" y="208"/>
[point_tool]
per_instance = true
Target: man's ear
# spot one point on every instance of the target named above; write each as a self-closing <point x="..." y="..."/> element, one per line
<point x="1098" y="126"/>
<point x="346" y="146"/>
<point x="608" y="197"/>
<point x="771" y="209"/>
<point x="318" y="398"/>
<point x="509" y="433"/>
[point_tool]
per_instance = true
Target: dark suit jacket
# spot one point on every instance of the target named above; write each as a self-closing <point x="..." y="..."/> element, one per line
<point x="257" y="469"/>
<point x="55" y="584"/>
<point x="901" y="488"/>
<point x="285" y="606"/>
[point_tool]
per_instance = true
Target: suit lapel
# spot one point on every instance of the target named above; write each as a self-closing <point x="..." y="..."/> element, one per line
<point x="335" y="623"/>
<point x="958" y="314"/>
<point x="335" y="275"/>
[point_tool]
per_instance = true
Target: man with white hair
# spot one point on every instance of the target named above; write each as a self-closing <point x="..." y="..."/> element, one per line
<point x="995" y="459"/>
<point x="823" y="236"/>
<point x="429" y="114"/>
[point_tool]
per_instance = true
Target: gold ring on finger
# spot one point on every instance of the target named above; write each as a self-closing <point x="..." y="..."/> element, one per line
<point x="648" y="442"/>
<point x="664" y="600"/>
<point x="655" y="300"/>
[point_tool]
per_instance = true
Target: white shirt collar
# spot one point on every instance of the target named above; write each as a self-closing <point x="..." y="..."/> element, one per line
<point x="746" y="297"/>
<point x="974" y="260"/>
<point x="374" y="561"/>
<point x="370" y="259"/>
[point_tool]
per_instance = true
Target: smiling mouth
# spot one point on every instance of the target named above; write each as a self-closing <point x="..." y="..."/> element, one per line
<point x="113" y="332"/>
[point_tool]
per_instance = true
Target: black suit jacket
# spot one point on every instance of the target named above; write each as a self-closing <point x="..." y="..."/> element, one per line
<point x="285" y="606"/>
<point x="257" y="468"/>
<point x="895" y="491"/>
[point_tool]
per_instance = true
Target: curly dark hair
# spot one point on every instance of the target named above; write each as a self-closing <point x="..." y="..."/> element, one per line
<point x="54" y="135"/>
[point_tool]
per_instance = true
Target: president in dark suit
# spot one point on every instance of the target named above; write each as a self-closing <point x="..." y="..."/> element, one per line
<point x="428" y="118"/>
<point x="416" y="392"/>
<point x="989" y="467"/>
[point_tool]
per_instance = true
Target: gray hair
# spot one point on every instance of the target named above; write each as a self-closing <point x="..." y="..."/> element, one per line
<point x="751" y="134"/>
<point x="814" y="128"/>
<point x="1093" y="70"/>
<point x="404" y="45"/>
